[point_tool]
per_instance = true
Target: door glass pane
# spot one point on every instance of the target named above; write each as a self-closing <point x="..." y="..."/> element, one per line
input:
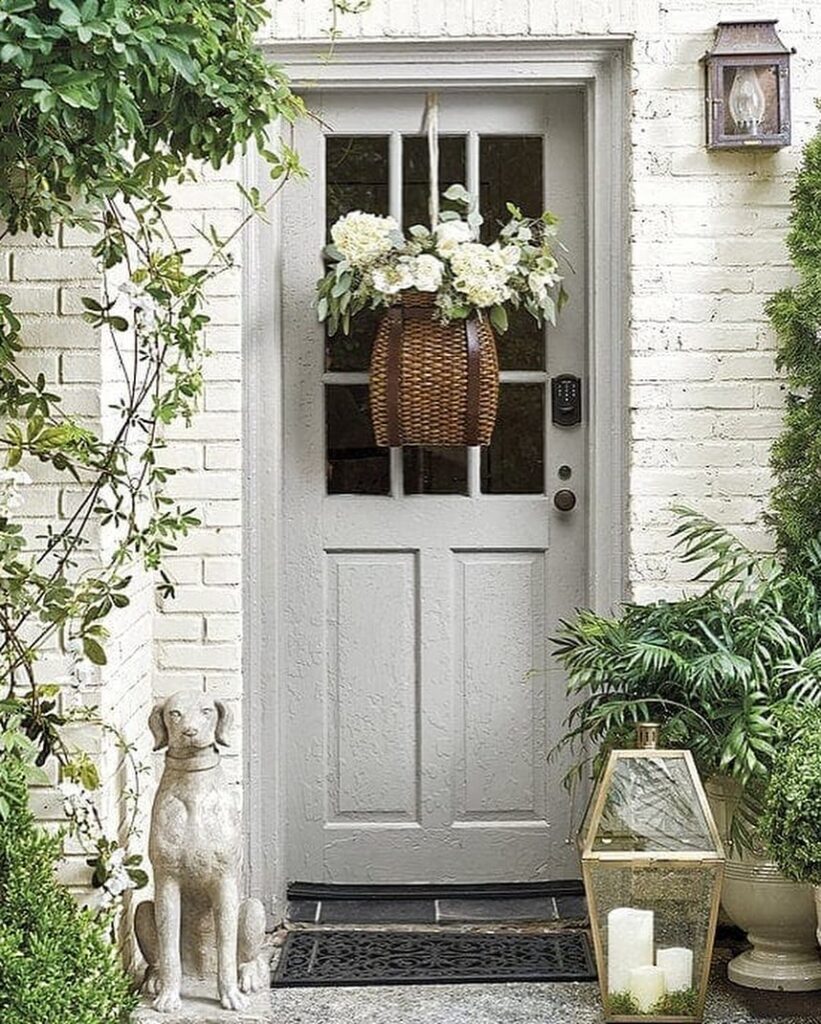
<point x="514" y="461"/>
<point x="356" y="169"/>
<point x="416" y="174"/>
<point x="435" y="470"/>
<point x="355" y="464"/>
<point x="510" y="171"/>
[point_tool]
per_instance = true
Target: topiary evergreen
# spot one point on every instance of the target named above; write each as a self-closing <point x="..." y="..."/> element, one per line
<point x="795" y="313"/>
<point x="57" y="965"/>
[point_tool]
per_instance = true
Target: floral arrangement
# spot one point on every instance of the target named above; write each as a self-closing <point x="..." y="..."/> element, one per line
<point x="372" y="262"/>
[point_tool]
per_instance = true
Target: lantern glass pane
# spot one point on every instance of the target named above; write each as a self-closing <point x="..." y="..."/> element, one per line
<point x="653" y="921"/>
<point x="751" y="102"/>
<point x="651" y="805"/>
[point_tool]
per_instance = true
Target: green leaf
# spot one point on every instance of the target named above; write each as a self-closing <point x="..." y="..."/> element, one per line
<point x="69" y="13"/>
<point x="178" y="60"/>
<point x="498" y="317"/>
<point x="94" y="651"/>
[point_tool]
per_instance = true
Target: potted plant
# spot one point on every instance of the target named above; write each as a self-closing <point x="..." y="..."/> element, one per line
<point x="717" y="668"/>
<point x="792" y="822"/>
<point x="434" y="372"/>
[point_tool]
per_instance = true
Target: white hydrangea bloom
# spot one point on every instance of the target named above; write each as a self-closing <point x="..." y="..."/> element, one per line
<point x="10" y="482"/>
<point x="450" y="234"/>
<point x="390" y="280"/>
<point x="427" y="273"/>
<point x="481" y="274"/>
<point x="363" y="237"/>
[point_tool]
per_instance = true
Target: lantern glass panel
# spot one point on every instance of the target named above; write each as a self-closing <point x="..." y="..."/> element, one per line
<point x="751" y="99"/>
<point x="651" y="805"/>
<point x="655" y="915"/>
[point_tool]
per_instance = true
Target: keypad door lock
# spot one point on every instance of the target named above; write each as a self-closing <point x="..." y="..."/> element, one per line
<point x="566" y="400"/>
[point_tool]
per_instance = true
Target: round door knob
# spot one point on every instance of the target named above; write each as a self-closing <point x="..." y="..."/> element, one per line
<point x="564" y="500"/>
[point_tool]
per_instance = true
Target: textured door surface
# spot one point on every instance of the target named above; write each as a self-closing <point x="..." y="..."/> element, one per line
<point x="421" y="586"/>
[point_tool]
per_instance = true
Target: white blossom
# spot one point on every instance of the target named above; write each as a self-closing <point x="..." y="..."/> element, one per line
<point x="77" y="804"/>
<point x="390" y="280"/>
<point x="481" y="274"/>
<point x="450" y="234"/>
<point x="363" y="237"/>
<point x="10" y="482"/>
<point x="427" y="273"/>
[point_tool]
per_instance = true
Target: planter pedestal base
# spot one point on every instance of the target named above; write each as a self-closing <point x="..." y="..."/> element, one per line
<point x="776" y="968"/>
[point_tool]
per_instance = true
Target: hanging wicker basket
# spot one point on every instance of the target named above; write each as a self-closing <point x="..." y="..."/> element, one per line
<point x="432" y="383"/>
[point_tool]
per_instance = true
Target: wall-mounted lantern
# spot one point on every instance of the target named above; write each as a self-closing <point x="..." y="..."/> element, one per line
<point x="748" y="87"/>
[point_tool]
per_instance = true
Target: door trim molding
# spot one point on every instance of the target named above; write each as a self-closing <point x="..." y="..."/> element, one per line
<point x="597" y="64"/>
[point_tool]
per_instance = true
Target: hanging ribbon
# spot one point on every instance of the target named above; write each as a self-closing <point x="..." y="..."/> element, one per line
<point x="432" y="124"/>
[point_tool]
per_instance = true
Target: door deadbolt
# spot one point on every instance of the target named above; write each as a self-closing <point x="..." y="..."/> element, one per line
<point x="564" y="500"/>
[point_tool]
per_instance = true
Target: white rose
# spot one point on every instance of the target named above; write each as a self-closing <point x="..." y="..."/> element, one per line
<point x="390" y="280"/>
<point x="450" y="234"/>
<point x="427" y="273"/>
<point x="363" y="237"/>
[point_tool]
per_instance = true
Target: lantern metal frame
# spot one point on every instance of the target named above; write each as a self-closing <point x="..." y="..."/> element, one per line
<point x="746" y="44"/>
<point x="642" y="858"/>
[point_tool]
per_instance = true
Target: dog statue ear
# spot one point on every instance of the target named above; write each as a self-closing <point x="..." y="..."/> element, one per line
<point x="156" y="723"/>
<point x="224" y="722"/>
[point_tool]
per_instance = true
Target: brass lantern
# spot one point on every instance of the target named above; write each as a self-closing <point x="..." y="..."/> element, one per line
<point x="653" y="863"/>
<point x="748" y="87"/>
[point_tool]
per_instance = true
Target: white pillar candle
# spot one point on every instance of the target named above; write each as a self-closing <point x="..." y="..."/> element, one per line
<point x="629" y="944"/>
<point x="646" y="986"/>
<point x="677" y="964"/>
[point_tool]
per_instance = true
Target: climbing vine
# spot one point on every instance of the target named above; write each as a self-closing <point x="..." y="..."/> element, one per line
<point x="104" y="105"/>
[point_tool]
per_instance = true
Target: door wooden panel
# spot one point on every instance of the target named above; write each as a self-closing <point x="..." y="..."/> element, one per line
<point x="373" y="686"/>
<point x="420" y="587"/>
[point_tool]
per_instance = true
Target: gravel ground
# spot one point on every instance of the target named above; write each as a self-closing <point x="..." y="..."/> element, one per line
<point x="557" y="1003"/>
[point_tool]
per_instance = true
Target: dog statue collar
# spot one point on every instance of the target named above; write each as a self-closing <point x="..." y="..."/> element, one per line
<point x="198" y="761"/>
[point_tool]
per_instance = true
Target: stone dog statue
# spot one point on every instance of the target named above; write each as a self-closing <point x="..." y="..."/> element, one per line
<point x="197" y="921"/>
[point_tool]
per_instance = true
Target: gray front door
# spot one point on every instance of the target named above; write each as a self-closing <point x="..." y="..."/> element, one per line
<point x="420" y="586"/>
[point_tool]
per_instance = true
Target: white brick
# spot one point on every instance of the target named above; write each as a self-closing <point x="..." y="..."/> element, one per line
<point x="223" y="570"/>
<point x="54" y="265"/>
<point x="223" y="456"/>
<point x="198" y="656"/>
<point x="31" y="298"/>
<point x="220" y="628"/>
<point x="712" y="396"/>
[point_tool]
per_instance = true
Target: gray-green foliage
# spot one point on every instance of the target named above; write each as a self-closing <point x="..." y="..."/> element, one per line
<point x="714" y="668"/>
<point x="792" y="822"/>
<point x="57" y="965"/>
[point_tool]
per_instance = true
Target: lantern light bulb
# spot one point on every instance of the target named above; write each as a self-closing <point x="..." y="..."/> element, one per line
<point x="747" y="101"/>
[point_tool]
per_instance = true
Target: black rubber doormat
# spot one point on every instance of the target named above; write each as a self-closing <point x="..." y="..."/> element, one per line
<point x="343" y="957"/>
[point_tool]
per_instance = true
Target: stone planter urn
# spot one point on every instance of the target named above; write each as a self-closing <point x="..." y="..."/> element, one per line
<point x="777" y="914"/>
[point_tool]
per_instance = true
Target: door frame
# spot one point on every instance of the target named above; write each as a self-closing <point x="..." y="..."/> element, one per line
<point x="598" y="65"/>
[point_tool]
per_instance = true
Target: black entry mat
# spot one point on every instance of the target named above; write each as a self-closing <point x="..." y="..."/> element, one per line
<point x="427" y="958"/>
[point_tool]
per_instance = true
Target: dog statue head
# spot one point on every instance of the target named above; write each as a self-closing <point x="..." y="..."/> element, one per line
<point x="188" y="721"/>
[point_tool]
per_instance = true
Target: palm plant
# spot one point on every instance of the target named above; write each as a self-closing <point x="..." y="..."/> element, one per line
<point x="716" y="668"/>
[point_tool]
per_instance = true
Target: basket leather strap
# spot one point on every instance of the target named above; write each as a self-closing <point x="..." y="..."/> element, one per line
<point x="393" y="372"/>
<point x="472" y="404"/>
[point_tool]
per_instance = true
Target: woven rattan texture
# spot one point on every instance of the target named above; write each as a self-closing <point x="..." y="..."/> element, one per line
<point x="433" y="375"/>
